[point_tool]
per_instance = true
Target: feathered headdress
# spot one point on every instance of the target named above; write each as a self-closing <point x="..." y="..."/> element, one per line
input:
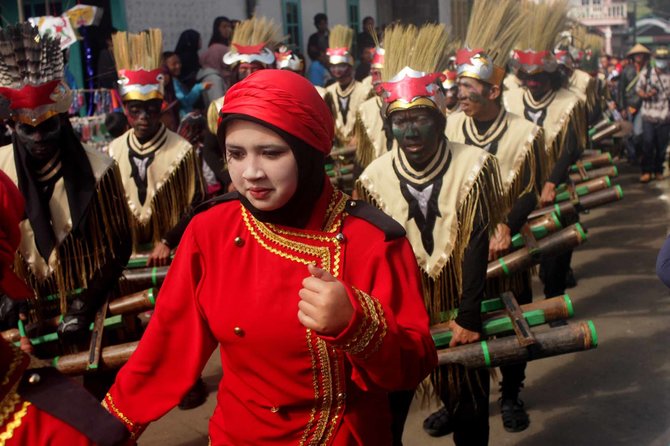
<point x="544" y="21"/>
<point x="339" y="45"/>
<point x="492" y="32"/>
<point x="31" y="75"/>
<point x="138" y="62"/>
<point x="254" y="40"/>
<point x="413" y="64"/>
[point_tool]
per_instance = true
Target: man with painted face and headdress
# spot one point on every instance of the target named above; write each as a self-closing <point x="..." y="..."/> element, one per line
<point x="346" y="94"/>
<point x="517" y="144"/>
<point x="314" y="298"/>
<point x="159" y="168"/>
<point x="450" y="85"/>
<point x="39" y="406"/>
<point x="75" y="229"/>
<point x="369" y="130"/>
<point x="544" y="102"/>
<point x="447" y="196"/>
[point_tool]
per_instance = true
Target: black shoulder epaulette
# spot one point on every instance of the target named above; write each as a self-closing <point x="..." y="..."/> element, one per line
<point x="361" y="209"/>
<point x="203" y="206"/>
<point x="66" y="400"/>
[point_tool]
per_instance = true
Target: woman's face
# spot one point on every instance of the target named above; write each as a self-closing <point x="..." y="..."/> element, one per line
<point x="225" y="29"/>
<point x="261" y="165"/>
<point x="174" y="65"/>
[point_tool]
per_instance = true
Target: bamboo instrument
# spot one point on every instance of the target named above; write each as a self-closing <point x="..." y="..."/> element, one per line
<point x="541" y="227"/>
<point x="581" y="189"/>
<point x="592" y="162"/>
<point x="505" y="351"/>
<point x="112" y="357"/>
<point x="524" y="258"/>
<point x="566" y="209"/>
<point x="609" y="171"/>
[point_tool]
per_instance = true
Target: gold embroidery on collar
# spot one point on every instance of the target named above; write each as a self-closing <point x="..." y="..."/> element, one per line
<point x="543" y="102"/>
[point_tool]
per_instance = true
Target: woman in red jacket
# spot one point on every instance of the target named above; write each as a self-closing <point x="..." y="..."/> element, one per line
<point x="315" y="299"/>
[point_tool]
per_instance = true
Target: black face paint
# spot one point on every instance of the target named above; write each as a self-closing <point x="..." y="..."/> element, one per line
<point x="477" y="98"/>
<point x="41" y="142"/>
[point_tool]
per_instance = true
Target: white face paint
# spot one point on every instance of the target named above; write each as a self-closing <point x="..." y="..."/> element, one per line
<point x="261" y="165"/>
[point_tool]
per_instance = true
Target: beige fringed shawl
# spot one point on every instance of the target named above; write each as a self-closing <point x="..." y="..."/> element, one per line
<point x="369" y="132"/>
<point x="520" y="146"/>
<point x="356" y="93"/>
<point x="560" y="108"/>
<point x="173" y="178"/>
<point x="471" y="185"/>
<point x="75" y="259"/>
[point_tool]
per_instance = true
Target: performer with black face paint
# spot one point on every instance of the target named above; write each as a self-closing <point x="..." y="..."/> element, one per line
<point x="543" y="101"/>
<point x="448" y="197"/>
<point x="160" y="170"/>
<point x="517" y="144"/>
<point x="73" y="195"/>
<point x="314" y="299"/>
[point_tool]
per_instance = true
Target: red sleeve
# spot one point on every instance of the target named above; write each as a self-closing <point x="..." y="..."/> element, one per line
<point x="388" y="340"/>
<point x="173" y="351"/>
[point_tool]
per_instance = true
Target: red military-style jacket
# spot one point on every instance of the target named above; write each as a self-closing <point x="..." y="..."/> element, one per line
<point x="234" y="283"/>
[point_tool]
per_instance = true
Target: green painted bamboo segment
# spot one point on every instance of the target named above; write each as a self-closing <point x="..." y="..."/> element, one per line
<point x="485" y="351"/>
<point x="110" y="322"/>
<point x="581" y="231"/>
<point x="569" y="306"/>
<point x="619" y="191"/>
<point x="74" y="292"/>
<point x="594" y="334"/>
<point x="151" y="296"/>
<point x="494" y="327"/>
<point x="539" y="232"/>
<point x="141" y="262"/>
<point x="153" y="276"/>
<point x="504" y="266"/>
<point x="582" y="190"/>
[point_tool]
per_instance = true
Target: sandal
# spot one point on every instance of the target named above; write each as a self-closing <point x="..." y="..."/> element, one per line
<point x="438" y="424"/>
<point x="514" y="416"/>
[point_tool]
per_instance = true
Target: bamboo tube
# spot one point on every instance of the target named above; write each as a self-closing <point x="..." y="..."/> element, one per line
<point x="584" y="188"/>
<point x="610" y="171"/>
<point x="499" y="323"/>
<point x="134" y="280"/>
<point x="112" y="357"/>
<point x="541" y="227"/>
<point x="505" y="351"/>
<point x="598" y="161"/>
<point x="605" y="132"/>
<point x="566" y="209"/>
<point x="134" y="303"/>
<point x="523" y="258"/>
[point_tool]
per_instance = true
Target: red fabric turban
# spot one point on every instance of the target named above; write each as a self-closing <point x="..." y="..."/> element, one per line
<point x="11" y="209"/>
<point x="285" y="100"/>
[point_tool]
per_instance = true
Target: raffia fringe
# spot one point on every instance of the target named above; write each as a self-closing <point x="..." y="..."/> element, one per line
<point x="442" y="293"/>
<point x="81" y="256"/>
<point x="171" y="201"/>
<point x="365" y="150"/>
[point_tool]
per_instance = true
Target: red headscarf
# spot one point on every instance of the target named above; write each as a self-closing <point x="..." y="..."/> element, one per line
<point x="285" y="100"/>
<point x="11" y="208"/>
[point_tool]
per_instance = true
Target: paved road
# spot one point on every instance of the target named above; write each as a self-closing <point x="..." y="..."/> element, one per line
<point x="618" y="394"/>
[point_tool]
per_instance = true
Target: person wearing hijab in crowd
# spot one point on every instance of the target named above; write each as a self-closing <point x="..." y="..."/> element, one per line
<point x="314" y="298"/>
<point x="72" y="194"/>
<point x="38" y="405"/>
<point x="188" y="45"/>
<point x="159" y="168"/>
<point x="219" y="45"/>
<point x="186" y="99"/>
<point x="448" y="197"/>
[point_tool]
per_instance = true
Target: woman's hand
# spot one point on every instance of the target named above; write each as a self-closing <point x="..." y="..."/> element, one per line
<point x="324" y="304"/>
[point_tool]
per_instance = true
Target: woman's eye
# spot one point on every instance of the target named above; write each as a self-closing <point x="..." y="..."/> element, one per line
<point x="272" y="153"/>
<point x="236" y="155"/>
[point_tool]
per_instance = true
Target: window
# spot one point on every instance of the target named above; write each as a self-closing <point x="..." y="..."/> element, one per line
<point x="354" y="15"/>
<point x="292" y="22"/>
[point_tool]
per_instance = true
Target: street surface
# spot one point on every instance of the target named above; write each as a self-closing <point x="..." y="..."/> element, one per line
<point x="617" y="394"/>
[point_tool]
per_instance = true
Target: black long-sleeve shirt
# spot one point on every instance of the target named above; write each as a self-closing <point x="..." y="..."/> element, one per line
<point x="475" y="263"/>
<point x="569" y="155"/>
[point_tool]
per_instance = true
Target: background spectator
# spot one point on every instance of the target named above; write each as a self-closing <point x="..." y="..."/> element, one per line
<point x="187" y="48"/>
